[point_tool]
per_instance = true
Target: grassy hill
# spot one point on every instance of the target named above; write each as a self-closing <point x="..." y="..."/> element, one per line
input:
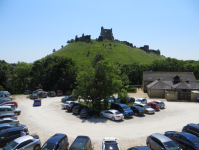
<point x="117" y="52"/>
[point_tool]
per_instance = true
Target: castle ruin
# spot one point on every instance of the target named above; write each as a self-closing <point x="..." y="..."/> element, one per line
<point x="107" y="34"/>
<point x="146" y="49"/>
<point x="86" y="38"/>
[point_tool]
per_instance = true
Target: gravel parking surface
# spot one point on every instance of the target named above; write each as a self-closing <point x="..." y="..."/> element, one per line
<point x="50" y="118"/>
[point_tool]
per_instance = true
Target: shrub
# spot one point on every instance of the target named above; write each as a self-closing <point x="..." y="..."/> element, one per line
<point x="1" y="88"/>
<point x="132" y="89"/>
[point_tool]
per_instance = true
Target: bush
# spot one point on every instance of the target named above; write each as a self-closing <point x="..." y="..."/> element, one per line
<point x="1" y="88"/>
<point x="132" y="89"/>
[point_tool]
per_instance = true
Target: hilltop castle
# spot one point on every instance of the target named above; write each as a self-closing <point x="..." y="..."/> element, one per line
<point x="107" y="34"/>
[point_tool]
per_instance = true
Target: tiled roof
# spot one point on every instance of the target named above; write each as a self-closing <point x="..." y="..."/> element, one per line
<point x="168" y="76"/>
<point x="158" y="85"/>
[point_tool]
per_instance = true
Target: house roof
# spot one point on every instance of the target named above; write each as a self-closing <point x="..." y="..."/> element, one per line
<point x="182" y="85"/>
<point x="158" y="85"/>
<point x="168" y="76"/>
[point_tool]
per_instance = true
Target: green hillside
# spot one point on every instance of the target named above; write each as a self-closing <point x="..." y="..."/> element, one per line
<point x="115" y="51"/>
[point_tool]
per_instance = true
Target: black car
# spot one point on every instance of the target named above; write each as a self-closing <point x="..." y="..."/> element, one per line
<point x="51" y="94"/>
<point x="9" y="134"/>
<point x="191" y="128"/>
<point x="139" y="111"/>
<point x="56" y="142"/>
<point x="77" y="109"/>
<point x="8" y="115"/>
<point x="131" y="99"/>
<point x="34" y="96"/>
<point x="81" y="143"/>
<point x="184" y="140"/>
<point x="139" y="148"/>
<point x="71" y="106"/>
<point x="87" y="113"/>
<point x="7" y="125"/>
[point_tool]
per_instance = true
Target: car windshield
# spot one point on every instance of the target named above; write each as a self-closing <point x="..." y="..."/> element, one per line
<point x="146" y="106"/>
<point x="138" y="100"/>
<point x="10" y="146"/>
<point x="66" y="103"/>
<point x="195" y="142"/>
<point x="126" y="108"/>
<point x="111" y="147"/>
<point x="171" y="145"/>
<point x="49" y="146"/>
<point x="117" y="113"/>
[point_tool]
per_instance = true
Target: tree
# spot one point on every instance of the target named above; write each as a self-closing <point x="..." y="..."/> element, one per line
<point x="54" y="50"/>
<point x="96" y="59"/>
<point x="98" y="83"/>
<point x="1" y="88"/>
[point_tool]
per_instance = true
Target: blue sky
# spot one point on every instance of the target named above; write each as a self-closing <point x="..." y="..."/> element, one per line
<point x="31" y="29"/>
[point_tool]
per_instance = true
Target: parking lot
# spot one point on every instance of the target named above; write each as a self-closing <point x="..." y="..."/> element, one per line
<point x="48" y="119"/>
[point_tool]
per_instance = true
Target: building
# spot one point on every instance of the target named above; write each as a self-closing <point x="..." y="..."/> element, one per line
<point x="107" y="34"/>
<point x="158" y="84"/>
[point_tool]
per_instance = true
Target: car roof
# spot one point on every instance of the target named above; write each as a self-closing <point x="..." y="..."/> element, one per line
<point x="5" y="125"/>
<point x="188" y="135"/>
<point x="7" y="114"/>
<point x="157" y="101"/>
<point x="109" y="139"/>
<point x="23" y="138"/>
<point x="193" y="125"/>
<point x="55" y="138"/>
<point x="5" y="106"/>
<point x="113" y="110"/>
<point x="5" y="119"/>
<point x="141" y="98"/>
<point x="161" y="137"/>
<point x="37" y="99"/>
<point x="152" y="102"/>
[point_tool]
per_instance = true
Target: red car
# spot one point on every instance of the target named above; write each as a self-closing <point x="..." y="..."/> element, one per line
<point x="59" y="93"/>
<point x="11" y="102"/>
<point x="154" y="105"/>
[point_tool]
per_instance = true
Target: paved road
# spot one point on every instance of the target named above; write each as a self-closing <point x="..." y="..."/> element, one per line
<point x="49" y="119"/>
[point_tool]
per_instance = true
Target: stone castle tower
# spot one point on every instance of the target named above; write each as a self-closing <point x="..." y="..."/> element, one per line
<point x="107" y="34"/>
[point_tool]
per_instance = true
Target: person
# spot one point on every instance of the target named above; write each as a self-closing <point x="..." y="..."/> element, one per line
<point x="23" y="133"/>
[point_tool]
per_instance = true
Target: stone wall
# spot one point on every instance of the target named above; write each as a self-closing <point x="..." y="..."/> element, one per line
<point x="146" y="49"/>
<point x="86" y="38"/>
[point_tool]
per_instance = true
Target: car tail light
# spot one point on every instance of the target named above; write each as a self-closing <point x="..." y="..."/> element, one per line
<point x="148" y="138"/>
<point x="15" y="117"/>
<point x="70" y="107"/>
<point x="65" y="135"/>
<point x="117" y="116"/>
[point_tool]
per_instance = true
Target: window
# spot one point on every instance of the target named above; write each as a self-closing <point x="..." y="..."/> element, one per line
<point x="28" y="142"/>
<point x="8" y="109"/>
<point x="1" y="95"/>
<point x="21" y="145"/>
<point x="2" y="109"/>
<point x="184" y="138"/>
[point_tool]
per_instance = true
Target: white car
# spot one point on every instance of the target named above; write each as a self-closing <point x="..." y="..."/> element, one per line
<point x="112" y="114"/>
<point x="110" y="143"/>
<point x="140" y="101"/>
<point x="65" y="105"/>
<point x="160" y="103"/>
<point x="148" y="109"/>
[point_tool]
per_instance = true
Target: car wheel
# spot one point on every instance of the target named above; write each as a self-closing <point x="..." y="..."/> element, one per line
<point x="149" y="145"/>
<point x="37" y="147"/>
<point x="113" y="118"/>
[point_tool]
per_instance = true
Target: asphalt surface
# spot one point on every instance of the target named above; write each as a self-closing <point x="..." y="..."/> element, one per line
<point x="50" y="118"/>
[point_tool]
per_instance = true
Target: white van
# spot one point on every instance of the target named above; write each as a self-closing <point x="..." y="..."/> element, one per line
<point x="5" y="96"/>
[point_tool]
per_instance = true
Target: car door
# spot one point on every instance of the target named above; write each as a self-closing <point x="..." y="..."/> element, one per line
<point x="108" y="114"/>
<point x="9" y="110"/>
<point x="2" y="111"/>
<point x="156" y="144"/>
<point x="184" y="142"/>
<point x="28" y="145"/>
<point x="65" y="144"/>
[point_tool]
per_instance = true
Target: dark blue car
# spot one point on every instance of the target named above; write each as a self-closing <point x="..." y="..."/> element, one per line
<point x="197" y="99"/>
<point x="37" y="102"/>
<point x="56" y="142"/>
<point x="139" y="148"/>
<point x="184" y="140"/>
<point x="123" y="108"/>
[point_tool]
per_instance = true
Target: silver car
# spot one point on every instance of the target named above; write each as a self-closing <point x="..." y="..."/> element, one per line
<point x="148" y="110"/>
<point x="161" y="104"/>
<point x="5" y="110"/>
<point x="9" y="120"/>
<point x="17" y="111"/>
<point x="28" y="142"/>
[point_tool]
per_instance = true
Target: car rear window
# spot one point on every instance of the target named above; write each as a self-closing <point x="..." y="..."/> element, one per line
<point x="111" y="147"/>
<point x="117" y="113"/>
<point x="79" y="142"/>
<point x="171" y="145"/>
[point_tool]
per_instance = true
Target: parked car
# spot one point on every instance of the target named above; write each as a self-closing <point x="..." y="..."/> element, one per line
<point x="68" y="98"/>
<point x="141" y="101"/>
<point x="112" y="114"/>
<point x="68" y="92"/>
<point x="37" y="102"/>
<point x="184" y="140"/>
<point x="197" y="99"/>
<point x="87" y="113"/>
<point x="110" y="143"/>
<point x="39" y="90"/>
<point x="10" y="102"/>
<point x="26" y="92"/>
<point x="9" y="120"/>
<point x="81" y="143"/>
<point x="5" y="110"/>
<point x="34" y="96"/>
<point x="5" y="96"/>
<point x="4" y="126"/>
<point x="191" y="128"/>
<point x="78" y="108"/>
<point x="154" y="105"/>
<point x="139" y="111"/>
<point x="59" y="93"/>
<point x="64" y="105"/>
<point x="8" y="135"/>
<point x="42" y="94"/>
<point x="28" y="142"/>
<point x="56" y="142"/>
<point x="123" y="108"/>
<point x="161" y="103"/>
<point x="51" y="94"/>
<point x="139" y="148"/>
<point x="17" y="111"/>
<point x="8" y="115"/>
<point x="148" y="110"/>
<point x="131" y="99"/>
<point x="158" y="141"/>
<point x="71" y="106"/>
